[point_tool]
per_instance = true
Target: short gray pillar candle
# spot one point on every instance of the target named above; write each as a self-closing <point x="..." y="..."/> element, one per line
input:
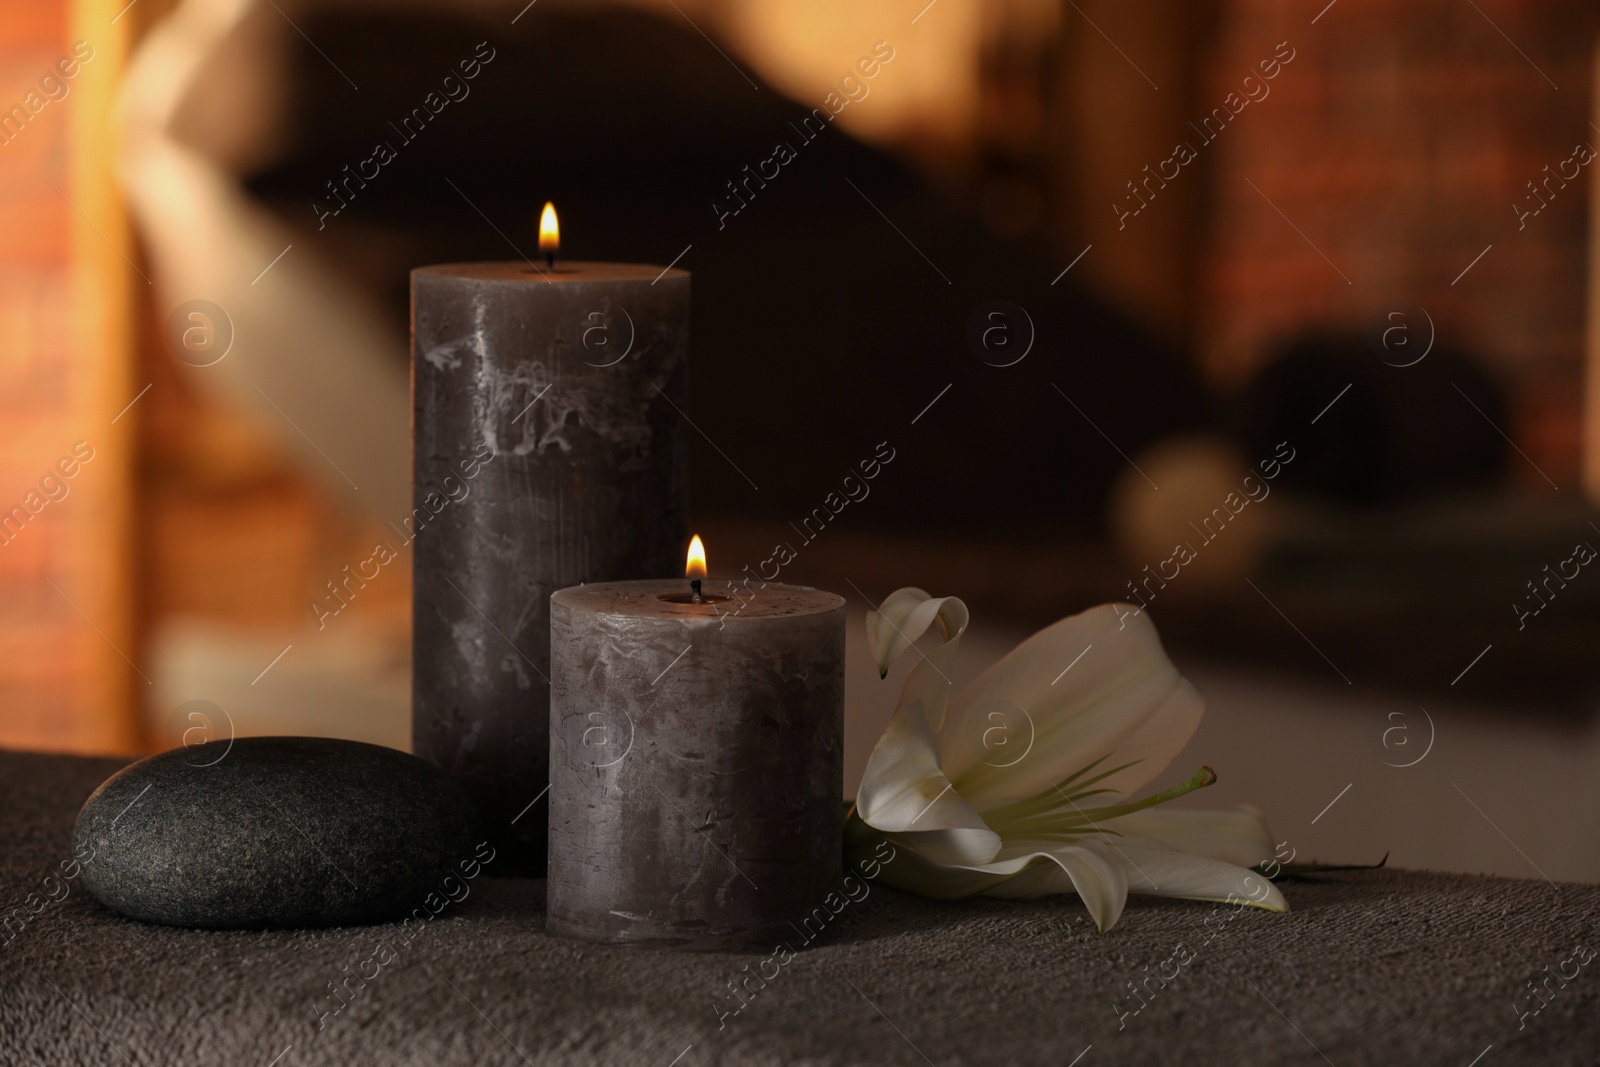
<point x="696" y="761"/>
<point x="549" y="449"/>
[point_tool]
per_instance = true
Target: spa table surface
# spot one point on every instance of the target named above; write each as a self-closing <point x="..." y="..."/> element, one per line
<point x="1386" y="967"/>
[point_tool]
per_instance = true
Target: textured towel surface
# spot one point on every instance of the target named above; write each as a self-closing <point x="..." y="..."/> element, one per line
<point x="1389" y="967"/>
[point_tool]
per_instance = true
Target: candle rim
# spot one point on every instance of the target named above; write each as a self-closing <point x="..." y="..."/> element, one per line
<point x="753" y="607"/>
<point x="518" y="272"/>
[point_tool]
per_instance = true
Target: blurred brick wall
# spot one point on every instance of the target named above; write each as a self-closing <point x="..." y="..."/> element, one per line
<point x="66" y="648"/>
<point x="1397" y="140"/>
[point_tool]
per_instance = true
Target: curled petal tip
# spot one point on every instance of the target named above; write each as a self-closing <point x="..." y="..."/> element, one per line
<point x="905" y="615"/>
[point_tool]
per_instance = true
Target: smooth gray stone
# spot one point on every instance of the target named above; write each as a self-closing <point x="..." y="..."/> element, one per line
<point x="276" y="832"/>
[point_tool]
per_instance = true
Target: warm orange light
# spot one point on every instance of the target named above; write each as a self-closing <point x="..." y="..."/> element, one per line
<point x="696" y="566"/>
<point x="549" y="230"/>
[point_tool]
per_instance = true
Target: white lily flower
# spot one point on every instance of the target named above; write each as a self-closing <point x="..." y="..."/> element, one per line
<point x="1015" y="786"/>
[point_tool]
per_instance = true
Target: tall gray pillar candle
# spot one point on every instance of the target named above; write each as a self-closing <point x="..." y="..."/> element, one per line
<point x="548" y="449"/>
<point x="696" y="762"/>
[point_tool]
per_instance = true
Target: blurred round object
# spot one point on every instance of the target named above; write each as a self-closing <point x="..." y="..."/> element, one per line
<point x="1206" y="525"/>
<point x="1369" y="431"/>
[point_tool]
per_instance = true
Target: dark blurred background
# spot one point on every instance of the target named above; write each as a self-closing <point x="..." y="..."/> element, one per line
<point x="1301" y="288"/>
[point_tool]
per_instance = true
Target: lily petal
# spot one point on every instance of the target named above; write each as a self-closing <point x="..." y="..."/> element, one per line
<point x="957" y="847"/>
<point x="1239" y="837"/>
<point x="1123" y="698"/>
<point x="904" y="616"/>
<point x="1084" y="868"/>
<point x="914" y="872"/>
<point x="903" y="789"/>
<point x="1164" y="872"/>
<point x="1029" y="870"/>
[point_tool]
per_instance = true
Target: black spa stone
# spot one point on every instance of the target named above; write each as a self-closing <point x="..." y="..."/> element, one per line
<point x="277" y="832"/>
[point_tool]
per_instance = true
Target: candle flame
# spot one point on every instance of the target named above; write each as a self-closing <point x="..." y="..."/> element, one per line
<point x="549" y="230"/>
<point x="696" y="565"/>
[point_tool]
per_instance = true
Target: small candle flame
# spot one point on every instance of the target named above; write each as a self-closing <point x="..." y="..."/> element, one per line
<point x="549" y="230"/>
<point x="696" y="565"/>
